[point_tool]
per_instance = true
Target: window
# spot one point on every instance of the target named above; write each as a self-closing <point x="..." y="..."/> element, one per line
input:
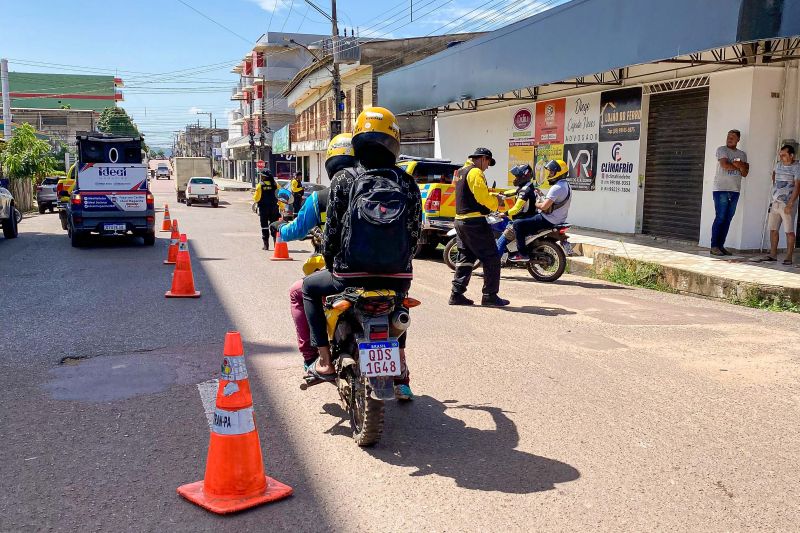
<point x="202" y="181"/>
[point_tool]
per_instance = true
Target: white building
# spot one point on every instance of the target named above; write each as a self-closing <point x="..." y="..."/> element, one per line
<point x="636" y="102"/>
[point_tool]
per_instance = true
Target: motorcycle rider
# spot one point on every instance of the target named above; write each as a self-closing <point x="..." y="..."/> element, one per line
<point x="474" y="235"/>
<point x="267" y="200"/>
<point x="523" y="208"/>
<point x="376" y="143"/>
<point x="553" y="207"/>
<point x="340" y="156"/>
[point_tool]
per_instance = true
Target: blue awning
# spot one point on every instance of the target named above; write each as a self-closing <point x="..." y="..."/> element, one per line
<point x="581" y="38"/>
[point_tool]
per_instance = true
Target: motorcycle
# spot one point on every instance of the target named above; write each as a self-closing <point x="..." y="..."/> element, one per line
<point x="547" y="258"/>
<point x="363" y="327"/>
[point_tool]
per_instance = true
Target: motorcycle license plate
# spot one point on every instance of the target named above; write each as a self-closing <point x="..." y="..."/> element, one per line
<point x="378" y="359"/>
<point x="114" y="227"/>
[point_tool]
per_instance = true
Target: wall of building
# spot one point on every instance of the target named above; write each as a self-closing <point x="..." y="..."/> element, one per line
<point x="51" y="91"/>
<point x="743" y="99"/>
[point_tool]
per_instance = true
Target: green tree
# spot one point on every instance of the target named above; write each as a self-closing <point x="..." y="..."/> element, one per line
<point x="115" y="120"/>
<point x="24" y="160"/>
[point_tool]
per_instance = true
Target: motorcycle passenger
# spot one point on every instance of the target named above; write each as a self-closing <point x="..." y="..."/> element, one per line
<point x="340" y="156"/>
<point x="523" y="208"/>
<point x="267" y="200"/>
<point x="474" y="235"/>
<point x="553" y="207"/>
<point x="297" y="190"/>
<point x="376" y="143"/>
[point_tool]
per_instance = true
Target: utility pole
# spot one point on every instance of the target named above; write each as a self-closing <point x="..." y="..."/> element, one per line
<point x="6" y="99"/>
<point x="336" y="127"/>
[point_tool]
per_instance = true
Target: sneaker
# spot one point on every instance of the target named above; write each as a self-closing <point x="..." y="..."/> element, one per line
<point x="519" y="258"/>
<point x="725" y="250"/>
<point x="717" y="252"/>
<point x="493" y="300"/>
<point x="459" y="299"/>
<point x="403" y="393"/>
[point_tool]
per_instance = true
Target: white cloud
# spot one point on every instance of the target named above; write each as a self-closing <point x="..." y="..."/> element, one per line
<point x="193" y="110"/>
<point x="272" y="5"/>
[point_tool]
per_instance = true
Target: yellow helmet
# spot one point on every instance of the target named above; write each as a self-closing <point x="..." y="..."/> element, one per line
<point x="376" y="127"/>
<point x="558" y="169"/>
<point x="340" y="154"/>
<point x="313" y="263"/>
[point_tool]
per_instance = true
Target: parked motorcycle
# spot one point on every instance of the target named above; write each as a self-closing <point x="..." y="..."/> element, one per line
<point x="363" y="327"/>
<point x="547" y="258"/>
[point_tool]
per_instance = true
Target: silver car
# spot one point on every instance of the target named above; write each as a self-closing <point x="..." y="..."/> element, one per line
<point x="46" y="196"/>
<point x="8" y="214"/>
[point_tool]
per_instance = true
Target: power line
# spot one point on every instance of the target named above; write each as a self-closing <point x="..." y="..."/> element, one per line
<point x="215" y="22"/>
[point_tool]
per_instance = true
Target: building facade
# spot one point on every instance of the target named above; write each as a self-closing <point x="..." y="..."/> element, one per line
<point x="311" y="97"/>
<point x="197" y="141"/>
<point x="262" y="109"/>
<point x="640" y="139"/>
<point x="33" y="90"/>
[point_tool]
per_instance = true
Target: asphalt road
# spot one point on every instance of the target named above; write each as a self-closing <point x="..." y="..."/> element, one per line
<point x="584" y="406"/>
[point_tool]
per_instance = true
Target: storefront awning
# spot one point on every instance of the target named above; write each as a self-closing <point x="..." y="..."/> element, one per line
<point x="581" y="38"/>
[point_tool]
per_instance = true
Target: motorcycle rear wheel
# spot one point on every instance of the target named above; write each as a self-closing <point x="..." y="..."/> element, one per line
<point x="366" y="414"/>
<point x="451" y="255"/>
<point x="555" y="265"/>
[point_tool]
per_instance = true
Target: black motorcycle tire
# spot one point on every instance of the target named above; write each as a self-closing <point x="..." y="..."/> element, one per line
<point x="556" y="253"/>
<point x="450" y="255"/>
<point x="366" y="414"/>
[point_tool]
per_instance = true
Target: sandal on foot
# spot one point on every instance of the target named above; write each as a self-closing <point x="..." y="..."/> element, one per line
<point x="769" y="259"/>
<point x="787" y="262"/>
<point x="314" y="373"/>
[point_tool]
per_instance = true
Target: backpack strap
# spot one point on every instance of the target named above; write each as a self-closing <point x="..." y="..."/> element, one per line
<point x="559" y="205"/>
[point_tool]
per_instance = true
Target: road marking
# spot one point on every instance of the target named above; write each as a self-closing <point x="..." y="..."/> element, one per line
<point x="208" y="397"/>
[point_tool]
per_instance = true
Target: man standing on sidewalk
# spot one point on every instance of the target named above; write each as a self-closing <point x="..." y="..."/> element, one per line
<point x="782" y="211"/>
<point x="732" y="166"/>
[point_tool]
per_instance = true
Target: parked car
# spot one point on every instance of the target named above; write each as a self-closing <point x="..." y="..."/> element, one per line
<point x="201" y="189"/>
<point x="285" y="196"/>
<point x="8" y="214"/>
<point x="46" y="197"/>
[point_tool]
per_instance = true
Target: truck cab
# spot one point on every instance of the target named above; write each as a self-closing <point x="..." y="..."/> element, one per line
<point x="110" y="195"/>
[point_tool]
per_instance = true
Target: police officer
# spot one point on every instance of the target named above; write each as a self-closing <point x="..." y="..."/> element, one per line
<point x="267" y="200"/>
<point x="297" y="192"/>
<point x="474" y="235"/>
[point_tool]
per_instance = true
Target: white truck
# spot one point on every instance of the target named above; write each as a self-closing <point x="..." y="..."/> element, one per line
<point x="184" y="168"/>
<point x="202" y="190"/>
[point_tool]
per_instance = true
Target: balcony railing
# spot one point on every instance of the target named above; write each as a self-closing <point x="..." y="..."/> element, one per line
<point x="317" y="130"/>
<point x="236" y="92"/>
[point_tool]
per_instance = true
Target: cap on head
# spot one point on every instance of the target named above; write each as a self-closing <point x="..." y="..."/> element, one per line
<point x="265" y="173"/>
<point x="376" y="127"/>
<point x="483" y="152"/>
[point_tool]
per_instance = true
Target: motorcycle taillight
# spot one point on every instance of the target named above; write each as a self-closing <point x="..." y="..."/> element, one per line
<point x="379" y="332"/>
<point x="375" y="307"/>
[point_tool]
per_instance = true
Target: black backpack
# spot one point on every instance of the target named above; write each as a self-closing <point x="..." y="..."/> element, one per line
<point x="375" y="235"/>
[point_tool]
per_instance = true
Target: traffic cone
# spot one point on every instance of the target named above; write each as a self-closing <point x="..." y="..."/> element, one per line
<point x="166" y="226"/>
<point x="174" y="239"/>
<point x="182" y="278"/>
<point x="235" y="479"/>
<point x="281" y="252"/>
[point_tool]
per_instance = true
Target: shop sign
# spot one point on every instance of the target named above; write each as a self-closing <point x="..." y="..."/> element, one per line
<point x="521" y="123"/>
<point x="520" y="152"/>
<point x="550" y="121"/>
<point x="544" y="154"/>
<point x="621" y="115"/>
<point x="582" y="118"/>
<point x="619" y="166"/>
<point x="581" y="159"/>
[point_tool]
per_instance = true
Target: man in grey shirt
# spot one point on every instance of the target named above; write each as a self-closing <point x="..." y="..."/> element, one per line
<point x="732" y="166"/>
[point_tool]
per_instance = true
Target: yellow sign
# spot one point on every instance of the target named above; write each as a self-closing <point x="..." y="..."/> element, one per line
<point x="520" y="152"/>
<point x="545" y="153"/>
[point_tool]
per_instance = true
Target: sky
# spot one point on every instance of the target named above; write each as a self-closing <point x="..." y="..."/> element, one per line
<point x="175" y="56"/>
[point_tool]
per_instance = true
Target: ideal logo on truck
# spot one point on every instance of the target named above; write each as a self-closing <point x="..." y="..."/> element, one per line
<point x="112" y="177"/>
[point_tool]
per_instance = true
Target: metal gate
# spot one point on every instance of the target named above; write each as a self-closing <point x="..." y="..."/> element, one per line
<point x="676" y="147"/>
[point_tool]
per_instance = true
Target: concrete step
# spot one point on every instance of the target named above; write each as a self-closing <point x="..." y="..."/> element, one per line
<point x="580" y="266"/>
<point x="586" y="249"/>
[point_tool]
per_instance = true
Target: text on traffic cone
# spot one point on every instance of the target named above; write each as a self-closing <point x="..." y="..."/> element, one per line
<point x="234" y="478"/>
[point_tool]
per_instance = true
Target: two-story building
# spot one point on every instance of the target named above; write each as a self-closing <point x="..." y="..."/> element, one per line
<point x="311" y="97"/>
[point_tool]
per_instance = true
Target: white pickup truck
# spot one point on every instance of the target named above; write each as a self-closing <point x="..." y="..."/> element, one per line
<point x="202" y="190"/>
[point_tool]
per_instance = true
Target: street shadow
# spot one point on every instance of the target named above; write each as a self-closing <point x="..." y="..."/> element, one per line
<point x="589" y="285"/>
<point x="538" y="310"/>
<point x="422" y="436"/>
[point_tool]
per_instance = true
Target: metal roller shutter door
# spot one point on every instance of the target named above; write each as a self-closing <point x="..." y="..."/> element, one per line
<point x="676" y="146"/>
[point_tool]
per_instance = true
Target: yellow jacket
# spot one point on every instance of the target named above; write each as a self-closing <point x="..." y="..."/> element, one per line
<point x="296" y="186"/>
<point x="476" y="183"/>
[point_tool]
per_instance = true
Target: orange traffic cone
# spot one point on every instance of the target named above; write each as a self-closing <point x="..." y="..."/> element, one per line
<point x="182" y="278"/>
<point x="174" y="239"/>
<point x="281" y="252"/>
<point x="235" y="478"/>
<point x="166" y="226"/>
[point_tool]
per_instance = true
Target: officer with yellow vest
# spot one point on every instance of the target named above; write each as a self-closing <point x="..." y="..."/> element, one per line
<point x="296" y="187"/>
<point x="475" y="237"/>
<point x="266" y="198"/>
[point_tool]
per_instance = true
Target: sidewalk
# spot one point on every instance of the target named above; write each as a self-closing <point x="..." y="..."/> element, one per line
<point x="685" y="267"/>
<point x="233" y="185"/>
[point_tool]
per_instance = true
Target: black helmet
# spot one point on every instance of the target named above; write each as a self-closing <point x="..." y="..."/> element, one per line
<point x="522" y="174"/>
<point x="265" y="174"/>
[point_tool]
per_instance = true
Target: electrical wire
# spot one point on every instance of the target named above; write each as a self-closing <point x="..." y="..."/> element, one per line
<point x="215" y="22"/>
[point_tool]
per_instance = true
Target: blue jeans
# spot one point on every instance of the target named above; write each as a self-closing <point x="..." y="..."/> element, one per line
<point x="725" y="207"/>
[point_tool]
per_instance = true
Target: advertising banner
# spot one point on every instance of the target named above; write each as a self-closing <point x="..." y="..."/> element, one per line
<point x="112" y="177"/>
<point x="581" y="158"/>
<point x="550" y="121"/>
<point x="127" y="202"/>
<point x="621" y="115"/>
<point x="545" y="153"/>
<point x="280" y="140"/>
<point x="618" y="165"/>
<point x="520" y="152"/>
<point x="521" y="123"/>
<point x="582" y="119"/>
